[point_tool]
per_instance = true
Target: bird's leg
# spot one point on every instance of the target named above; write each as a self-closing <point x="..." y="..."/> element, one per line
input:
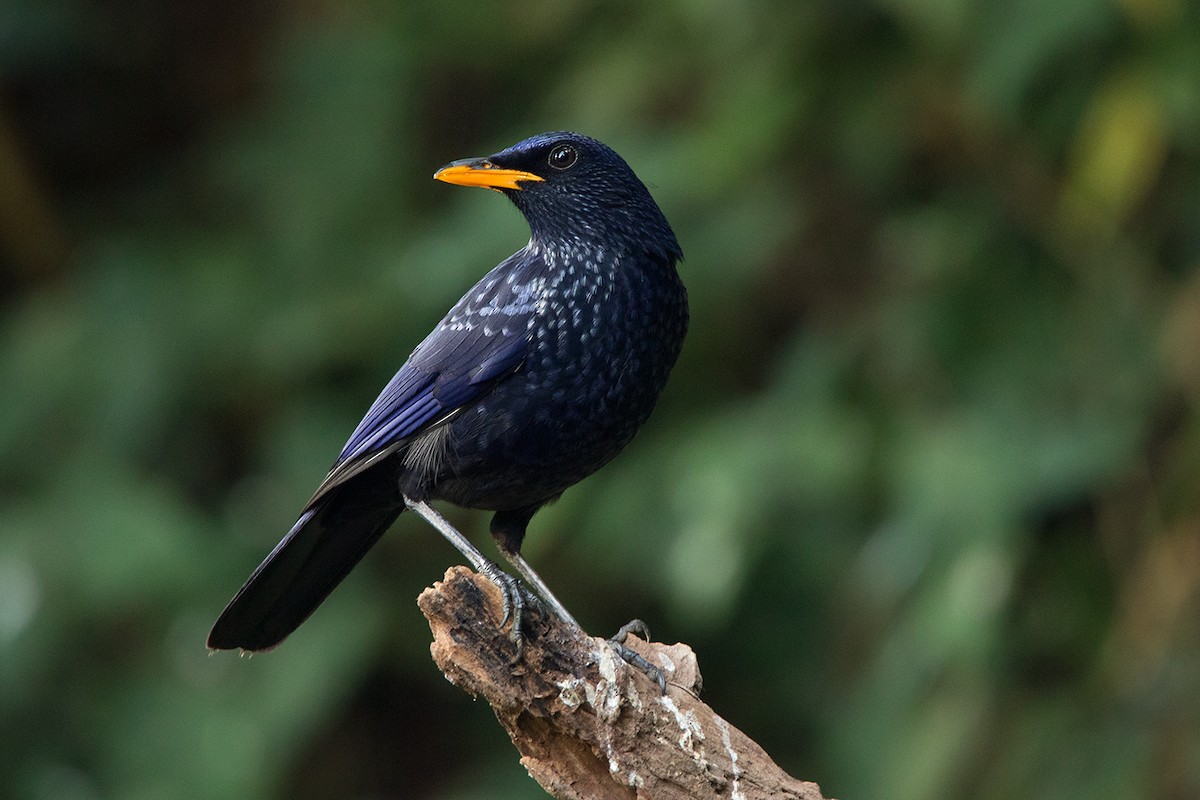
<point x="617" y="643"/>
<point x="533" y="579"/>
<point x="510" y="590"/>
<point x="508" y="529"/>
<point x="634" y="659"/>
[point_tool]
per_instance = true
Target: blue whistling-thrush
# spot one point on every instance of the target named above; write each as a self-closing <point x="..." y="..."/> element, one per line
<point x="536" y="378"/>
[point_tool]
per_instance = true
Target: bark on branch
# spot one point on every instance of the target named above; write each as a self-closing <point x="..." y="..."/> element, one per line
<point x="586" y="724"/>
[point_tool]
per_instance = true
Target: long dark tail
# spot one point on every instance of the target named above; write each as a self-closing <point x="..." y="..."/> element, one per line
<point x="330" y="537"/>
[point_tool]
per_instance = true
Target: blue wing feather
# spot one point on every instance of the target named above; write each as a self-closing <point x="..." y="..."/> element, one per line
<point x="480" y="341"/>
<point x="404" y="405"/>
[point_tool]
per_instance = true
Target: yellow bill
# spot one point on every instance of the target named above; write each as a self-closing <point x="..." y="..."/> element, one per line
<point x="481" y="172"/>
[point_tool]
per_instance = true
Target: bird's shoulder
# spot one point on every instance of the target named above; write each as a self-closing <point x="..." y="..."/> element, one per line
<point x="492" y="315"/>
<point x="481" y="340"/>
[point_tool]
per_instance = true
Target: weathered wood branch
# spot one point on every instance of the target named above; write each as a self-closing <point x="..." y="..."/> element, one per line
<point x="586" y="724"/>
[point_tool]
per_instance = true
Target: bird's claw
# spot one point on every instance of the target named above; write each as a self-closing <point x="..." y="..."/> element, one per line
<point x="633" y="626"/>
<point x="634" y="659"/>
<point x="513" y="603"/>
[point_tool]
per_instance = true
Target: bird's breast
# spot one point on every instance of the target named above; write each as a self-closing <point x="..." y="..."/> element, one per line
<point x="607" y="327"/>
<point x="603" y="336"/>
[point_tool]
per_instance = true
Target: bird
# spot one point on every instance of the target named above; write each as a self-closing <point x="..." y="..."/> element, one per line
<point x="537" y="377"/>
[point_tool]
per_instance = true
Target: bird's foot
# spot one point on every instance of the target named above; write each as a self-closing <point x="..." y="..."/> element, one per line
<point x="634" y="659"/>
<point x="514" y="599"/>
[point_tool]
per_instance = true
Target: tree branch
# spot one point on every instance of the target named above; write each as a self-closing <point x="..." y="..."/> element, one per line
<point x="586" y="724"/>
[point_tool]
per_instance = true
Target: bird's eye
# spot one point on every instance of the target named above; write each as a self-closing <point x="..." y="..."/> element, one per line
<point x="563" y="156"/>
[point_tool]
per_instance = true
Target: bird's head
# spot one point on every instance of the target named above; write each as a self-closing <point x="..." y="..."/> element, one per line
<point x="572" y="190"/>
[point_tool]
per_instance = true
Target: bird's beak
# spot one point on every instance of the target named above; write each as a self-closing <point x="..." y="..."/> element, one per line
<point x="481" y="172"/>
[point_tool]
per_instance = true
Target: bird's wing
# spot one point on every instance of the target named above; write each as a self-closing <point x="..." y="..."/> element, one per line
<point x="482" y="340"/>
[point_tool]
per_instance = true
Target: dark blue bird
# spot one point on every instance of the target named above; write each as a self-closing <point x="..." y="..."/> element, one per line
<point x="536" y="378"/>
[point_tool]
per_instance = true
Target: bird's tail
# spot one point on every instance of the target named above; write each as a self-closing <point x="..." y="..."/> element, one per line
<point x="330" y="537"/>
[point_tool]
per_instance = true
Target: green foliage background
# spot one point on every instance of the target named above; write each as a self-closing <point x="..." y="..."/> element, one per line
<point x="924" y="492"/>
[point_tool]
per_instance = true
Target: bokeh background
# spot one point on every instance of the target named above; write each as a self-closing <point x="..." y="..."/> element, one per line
<point x="923" y="494"/>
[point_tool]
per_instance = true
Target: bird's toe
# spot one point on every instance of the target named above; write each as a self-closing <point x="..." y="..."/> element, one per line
<point x="514" y="598"/>
<point x="633" y="658"/>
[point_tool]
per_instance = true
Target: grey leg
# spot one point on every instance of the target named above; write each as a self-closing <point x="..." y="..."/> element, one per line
<point x="510" y="590"/>
<point x="533" y="579"/>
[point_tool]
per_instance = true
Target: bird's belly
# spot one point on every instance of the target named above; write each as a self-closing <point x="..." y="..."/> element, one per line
<point x="546" y="428"/>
